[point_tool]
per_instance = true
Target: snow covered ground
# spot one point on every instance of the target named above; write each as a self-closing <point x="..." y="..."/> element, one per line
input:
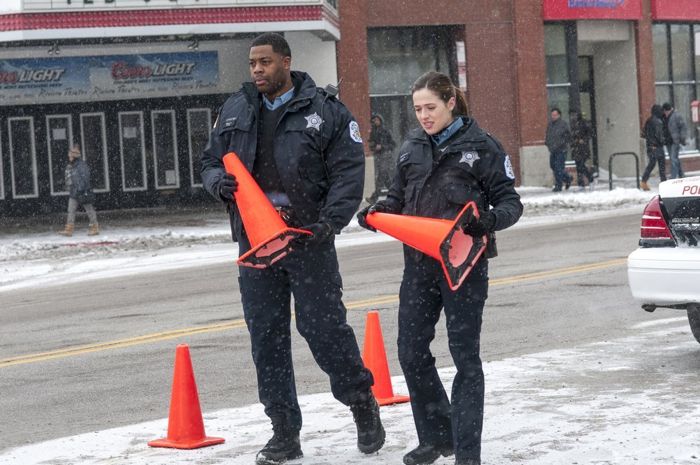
<point x="29" y="259"/>
<point x="615" y="411"/>
<point x="592" y="404"/>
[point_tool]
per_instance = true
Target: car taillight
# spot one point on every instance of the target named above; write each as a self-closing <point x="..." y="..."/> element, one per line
<point x="653" y="223"/>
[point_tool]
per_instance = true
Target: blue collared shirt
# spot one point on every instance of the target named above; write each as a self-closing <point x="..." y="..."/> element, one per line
<point x="279" y="101"/>
<point x="446" y="133"/>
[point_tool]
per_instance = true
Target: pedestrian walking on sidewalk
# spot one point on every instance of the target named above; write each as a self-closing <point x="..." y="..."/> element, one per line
<point x="77" y="177"/>
<point x="382" y="146"/>
<point x="653" y="133"/>
<point x="581" y="134"/>
<point x="557" y="141"/>
<point x="677" y="134"/>
<point x="442" y="166"/>
<point x="305" y="151"/>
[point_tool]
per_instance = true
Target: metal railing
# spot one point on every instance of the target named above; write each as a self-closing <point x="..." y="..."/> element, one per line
<point x="610" y="166"/>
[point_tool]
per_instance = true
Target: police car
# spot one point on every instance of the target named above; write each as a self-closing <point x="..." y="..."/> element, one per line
<point x="665" y="270"/>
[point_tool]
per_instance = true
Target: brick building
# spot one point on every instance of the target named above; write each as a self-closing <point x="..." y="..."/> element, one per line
<point x="137" y="82"/>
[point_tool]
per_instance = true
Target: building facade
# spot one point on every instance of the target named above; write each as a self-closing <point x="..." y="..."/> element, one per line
<point x="137" y="83"/>
<point x="516" y="59"/>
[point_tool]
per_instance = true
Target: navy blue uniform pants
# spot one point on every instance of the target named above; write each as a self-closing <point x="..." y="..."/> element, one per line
<point x="312" y="277"/>
<point x="424" y="293"/>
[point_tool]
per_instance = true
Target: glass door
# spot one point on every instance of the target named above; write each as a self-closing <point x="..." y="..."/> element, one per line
<point x="198" y="128"/>
<point x="165" y="158"/>
<point x="2" y="173"/>
<point x="132" y="151"/>
<point x="587" y="95"/>
<point x="59" y="137"/>
<point x="22" y="157"/>
<point x="94" y="142"/>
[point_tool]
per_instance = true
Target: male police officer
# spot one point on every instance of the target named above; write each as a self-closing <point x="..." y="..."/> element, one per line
<point x="304" y="149"/>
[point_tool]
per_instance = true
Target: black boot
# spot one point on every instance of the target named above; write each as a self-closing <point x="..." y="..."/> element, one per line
<point x="426" y="453"/>
<point x="370" y="432"/>
<point x="283" y="446"/>
<point x="468" y="462"/>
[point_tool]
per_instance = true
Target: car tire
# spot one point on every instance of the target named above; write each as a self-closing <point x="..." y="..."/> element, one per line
<point x="694" y="320"/>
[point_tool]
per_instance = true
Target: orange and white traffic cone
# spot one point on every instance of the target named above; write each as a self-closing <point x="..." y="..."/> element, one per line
<point x="443" y="240"/>
<point x="374" y="356"/>
<point x="185" y="424"/>
<point x="269" y="235"/>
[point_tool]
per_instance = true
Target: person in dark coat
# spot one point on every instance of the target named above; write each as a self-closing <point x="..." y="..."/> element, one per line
<point x="442" y="166"/>
<point x="557" y="141"/>
<point x="304" y="149"/>
<point x="581" y="134"/>
<point x="676" y="136"/>
<point x="653" y="133"/>
<point x="77" y="178"/>
<point x="382" y="146"/>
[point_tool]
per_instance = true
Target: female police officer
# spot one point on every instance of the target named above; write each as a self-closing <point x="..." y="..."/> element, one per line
<point x="443" y="165"/>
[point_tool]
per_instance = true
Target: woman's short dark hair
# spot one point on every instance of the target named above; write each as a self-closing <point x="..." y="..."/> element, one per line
<point x="278" y="43"/>
<point x="442" y="85"/>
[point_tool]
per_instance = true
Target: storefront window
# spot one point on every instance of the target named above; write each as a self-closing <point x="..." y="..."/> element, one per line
<point x="661" y="61"/>
<point x="396" y="58"/>
<point x="681" y="52"/>
<point x="555" y="54"/>
<point x="558" y="81"/>
<point x="676" y="73"/>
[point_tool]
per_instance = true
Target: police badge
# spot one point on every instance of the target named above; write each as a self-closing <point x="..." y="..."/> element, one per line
<point x="469" y="157"/>
<point x="313" y="121"/>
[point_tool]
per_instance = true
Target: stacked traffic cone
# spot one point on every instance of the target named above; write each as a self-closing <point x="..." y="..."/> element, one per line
<point x="185" y="424"/>
<point x="268" y="234"/>
<point x="443" y="240"/>
<point x="374" y="356"/>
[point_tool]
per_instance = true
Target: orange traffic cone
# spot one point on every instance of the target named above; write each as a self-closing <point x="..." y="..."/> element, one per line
<point x="268" y="234"/>
<point x="443" y="240"/>
<point x="374" y="356"/>
<point x="185" y="424"/>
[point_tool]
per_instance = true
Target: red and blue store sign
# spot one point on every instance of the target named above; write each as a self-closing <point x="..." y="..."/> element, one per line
<point x="555" y="10"/>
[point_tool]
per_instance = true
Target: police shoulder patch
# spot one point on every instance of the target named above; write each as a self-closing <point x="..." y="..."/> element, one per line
<point x="355" y="132"/>
<point x="509" y="168"/>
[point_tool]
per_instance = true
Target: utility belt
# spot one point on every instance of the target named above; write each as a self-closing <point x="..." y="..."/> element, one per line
<point x="289" y="216"/>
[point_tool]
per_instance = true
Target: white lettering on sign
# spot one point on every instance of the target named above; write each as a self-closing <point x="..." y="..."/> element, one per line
<point x="31" y="75"/>
<point x="123" y="71"/>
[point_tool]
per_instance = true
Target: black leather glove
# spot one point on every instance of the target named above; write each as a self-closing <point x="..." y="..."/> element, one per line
<point x="378" y="207"/>
<point x="227" y="186"/>
<point x="321" y="232"/>
<point x="683" y="141"/>
<point x="478" y="227"/>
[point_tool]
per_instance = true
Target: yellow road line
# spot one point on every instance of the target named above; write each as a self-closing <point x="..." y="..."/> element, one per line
<point x="558" y="272"/>
<point x="240" y="323"/>
<point x="86" y="349"/>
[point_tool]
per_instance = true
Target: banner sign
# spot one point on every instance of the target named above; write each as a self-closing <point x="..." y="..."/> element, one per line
<point x="591" y="9"/>
<point x="109" y="77"/>
<point x="79" y="5"/>
<point x="675" y="10"/>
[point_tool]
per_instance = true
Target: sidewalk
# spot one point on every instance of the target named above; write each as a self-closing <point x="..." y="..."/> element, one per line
<point x="591" y="403"/>
<point x="213" y="215"/>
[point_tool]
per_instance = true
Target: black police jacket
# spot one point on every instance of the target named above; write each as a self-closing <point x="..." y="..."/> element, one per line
<point x="470" y="166"/>
<point x="318" y="152"/>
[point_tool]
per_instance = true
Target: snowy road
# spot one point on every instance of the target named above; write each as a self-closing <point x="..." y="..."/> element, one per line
<point x="616" y="402"/>
<point x="576" y="372"/>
